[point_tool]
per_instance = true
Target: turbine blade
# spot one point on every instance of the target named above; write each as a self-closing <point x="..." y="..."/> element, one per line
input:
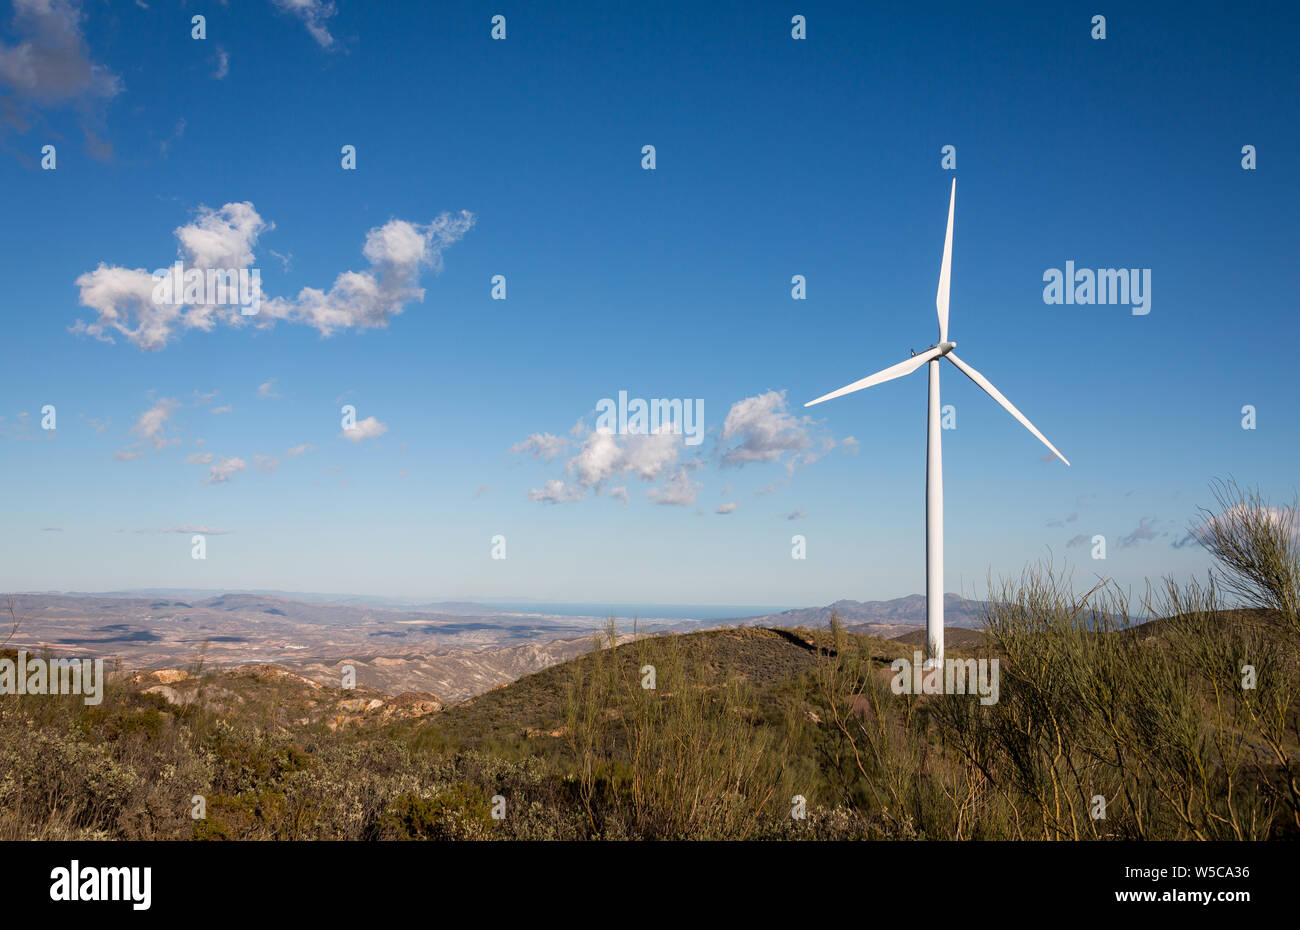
<point x="945" y="270"/>
<point x="889" y="374"/>
<point x="993" y="392"/>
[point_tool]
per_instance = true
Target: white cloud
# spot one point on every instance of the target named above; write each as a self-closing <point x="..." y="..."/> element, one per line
<point x="543" y="446"/>
<point x="299" y="450"/>
<point x="850" y="445"/>
<point x="267" y="463"/>
<point x="217" y="239"/>
<point x="153" y="422"/>
<point x="313" y="13"/>
<point x="222" y="471"/>
<point x="764" y="430"/>
<point x="728" y="507"/>
<point x="756" y="429"/>
<point x="121" y="296"/>
<point x="369" y="428"/>
<point x="605" y="454"/>
<point x="679" y="490"/>
<point x="199" y="458"/>
<point x="556" y="491"/>
<point x="598" y="458"/>
<point x="397" y="252"/>
<point x="223" y="64"/>
<point x="224" y="239"/>
<point x="267" y="389"/>
<point x="648" y="454"/>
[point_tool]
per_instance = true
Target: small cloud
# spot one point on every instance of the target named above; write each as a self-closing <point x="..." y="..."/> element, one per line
<point x="199" y="458"/>
<point x="222" y="470"/>
<point x="850" y="445"/>
<point x="542" y="446"/>
<point x="267" y="463"/>
<point x="482" y="489"/>
<point x="267" y="389"/>
<point x="152" y="424"/>
<point x="728" y="507"/>
<point x="795" y="515"/>
<point x="556" y="491"/>
<point x="1145" y="530"/>
<point x="678" y="491"/>
<point x="225" y="408"/>
<point x="764" y="430"/>
<point x="369" y="428"/>
<point x="300" y="450"/>
<point x="179" y="130"/>
<point x="96" y="424"/>
<point x="620" y="494"/>
<point x="313" y="14"/>
<point x="126" y="455"/>
<point x="1080" y="540"/>
<point x="223" y="64"/>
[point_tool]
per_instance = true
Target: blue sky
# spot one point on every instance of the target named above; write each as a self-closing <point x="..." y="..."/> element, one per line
<point x="774" y="157"/>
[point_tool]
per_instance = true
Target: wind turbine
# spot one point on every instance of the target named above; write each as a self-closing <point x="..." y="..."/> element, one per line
<point x="933" y="450"/>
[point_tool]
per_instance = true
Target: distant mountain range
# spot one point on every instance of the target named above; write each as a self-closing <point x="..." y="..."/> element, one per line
<point x="901" y="611"/>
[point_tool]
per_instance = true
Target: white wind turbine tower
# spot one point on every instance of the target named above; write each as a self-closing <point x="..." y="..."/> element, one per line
<point x="934" y="454"/>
